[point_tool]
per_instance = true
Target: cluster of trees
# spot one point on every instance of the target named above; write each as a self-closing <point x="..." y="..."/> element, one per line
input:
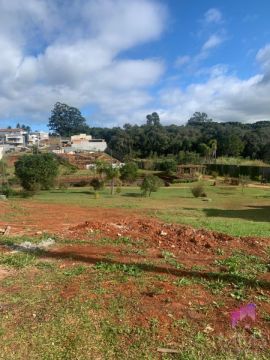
<point x="201" y="135"/>
<point x="127" y="173"/>
<point x="39" y="171"/>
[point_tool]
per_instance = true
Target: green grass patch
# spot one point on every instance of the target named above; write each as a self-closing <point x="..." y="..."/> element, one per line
<point x="170" y="259"/>
<point x="131" y="270"/>
<point x="17" y="260"/>
<point x="75" y="270"/>
<point x="242" y="264"/>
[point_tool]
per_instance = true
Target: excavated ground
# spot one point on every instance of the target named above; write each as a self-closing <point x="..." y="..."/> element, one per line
<point x="80" y="234"/>
<point x="74" y="222"/>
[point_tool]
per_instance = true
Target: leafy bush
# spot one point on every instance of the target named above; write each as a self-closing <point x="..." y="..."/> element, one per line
<point x="36" y="171"/>
<point x="168" y="165"/>
<point x="150" y="184"/>
<point x="81" y="183"/>
<point x="198" y="190"/>
<point x="97" y="184"/>
<point x="118" y="190"/>
<point x="129" y="172"/>
<point x="8" y="191"/>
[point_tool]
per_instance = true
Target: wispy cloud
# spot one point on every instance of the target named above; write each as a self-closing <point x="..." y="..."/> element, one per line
<point x="182" y="60"/>
<point x="224" y="96"/>
<point x="213" y="15"/>
<point x="212" y="42"/>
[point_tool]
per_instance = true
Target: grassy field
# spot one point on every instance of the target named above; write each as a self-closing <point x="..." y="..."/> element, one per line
<point x="53" y="309"/>
<point x="227" y="208"/>
<point x="124" y="298"/>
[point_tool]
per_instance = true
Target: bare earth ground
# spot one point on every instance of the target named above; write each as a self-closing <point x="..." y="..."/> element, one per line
<point x="166" y="250"/>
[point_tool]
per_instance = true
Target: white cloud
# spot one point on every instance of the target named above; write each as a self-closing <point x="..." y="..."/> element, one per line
<point x="212" y="42"/>
<point x="263" y="57"/>
<point x="223" y="96"/>
<point x="51" y="52"/>
<point x="182" y="60"/>
<point x="213" y="16"/>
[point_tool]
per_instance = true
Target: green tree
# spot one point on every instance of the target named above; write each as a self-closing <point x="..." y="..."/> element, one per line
<point x="266" y="153"/>
<point x="129" y="172"/>
<point x="153" y="119"/>
<point x="150" y="184"/>
<point x="66" y="120"/>
<point x="101" y="168"/>
<point x="199" y="118"/>
<point x="168" y="166"/>
<point x="213" y="147"/>
<point x="232" y="144"/>
<point x="36" y="171"/>
<point x="112" y="174"/>
<point x="205" y="150"/>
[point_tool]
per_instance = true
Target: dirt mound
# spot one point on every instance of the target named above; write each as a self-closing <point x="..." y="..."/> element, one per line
<point x="163" y="236"/>
<point x="65" y="221"/>
<point x="80" y="160"/>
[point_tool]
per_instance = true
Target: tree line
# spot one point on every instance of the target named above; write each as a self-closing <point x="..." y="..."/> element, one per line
<point x="200" y="136"/>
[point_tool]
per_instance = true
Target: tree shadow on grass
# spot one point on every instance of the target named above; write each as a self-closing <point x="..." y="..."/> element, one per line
<point x="136" y="195"/>
<point x="253" y="213"/>
<point x="85" y="192"/>
<point x="93" y="259"/>
<point x="226" y="277"/>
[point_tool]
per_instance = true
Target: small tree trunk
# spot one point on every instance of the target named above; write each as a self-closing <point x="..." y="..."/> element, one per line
<point x="112" y="187"/>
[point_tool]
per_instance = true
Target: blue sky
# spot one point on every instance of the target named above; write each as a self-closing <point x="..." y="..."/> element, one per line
<point x="119" y="60"/>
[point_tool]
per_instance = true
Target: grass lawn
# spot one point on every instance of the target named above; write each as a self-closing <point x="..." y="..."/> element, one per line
<point x="56" y="309"/>
<point x="228" y="210"/>
<point x="125" y="298"/>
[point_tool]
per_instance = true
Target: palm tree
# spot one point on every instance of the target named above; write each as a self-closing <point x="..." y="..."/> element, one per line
<point x="112" y="174"/>
<point x="213" y="146"/>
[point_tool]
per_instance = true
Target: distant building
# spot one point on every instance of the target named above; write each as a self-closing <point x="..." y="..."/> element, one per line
<point x="2" y="151"/>
<point x="85" y="142"/>
<point x="16" y="137"/>
<point x="38" y="137"/>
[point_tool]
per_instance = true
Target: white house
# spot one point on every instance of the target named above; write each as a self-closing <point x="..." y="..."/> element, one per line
<point x="37" y="137"/>
<point x="16" y="137"/>
<point x="85" y="142"/>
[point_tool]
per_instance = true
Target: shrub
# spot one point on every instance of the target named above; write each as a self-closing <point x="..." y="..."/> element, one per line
<point x="97" y="184"/>
<point x="27" y="194"/>
<point x="36" y="171"/>
<point x="150" y="184"/>
<point x="198" y="190"/>
<point x="81" y="183"/>
<point x="129" y="172"/>
<point x="63" y="185"/>
<point x="214" y="174"/>
<point x="8" y="191"/>
<point x="168" y="165"/>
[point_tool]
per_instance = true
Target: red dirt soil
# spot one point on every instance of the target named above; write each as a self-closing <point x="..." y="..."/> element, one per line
<point x="190" y="247"/>
<point x="74" y="222"/>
